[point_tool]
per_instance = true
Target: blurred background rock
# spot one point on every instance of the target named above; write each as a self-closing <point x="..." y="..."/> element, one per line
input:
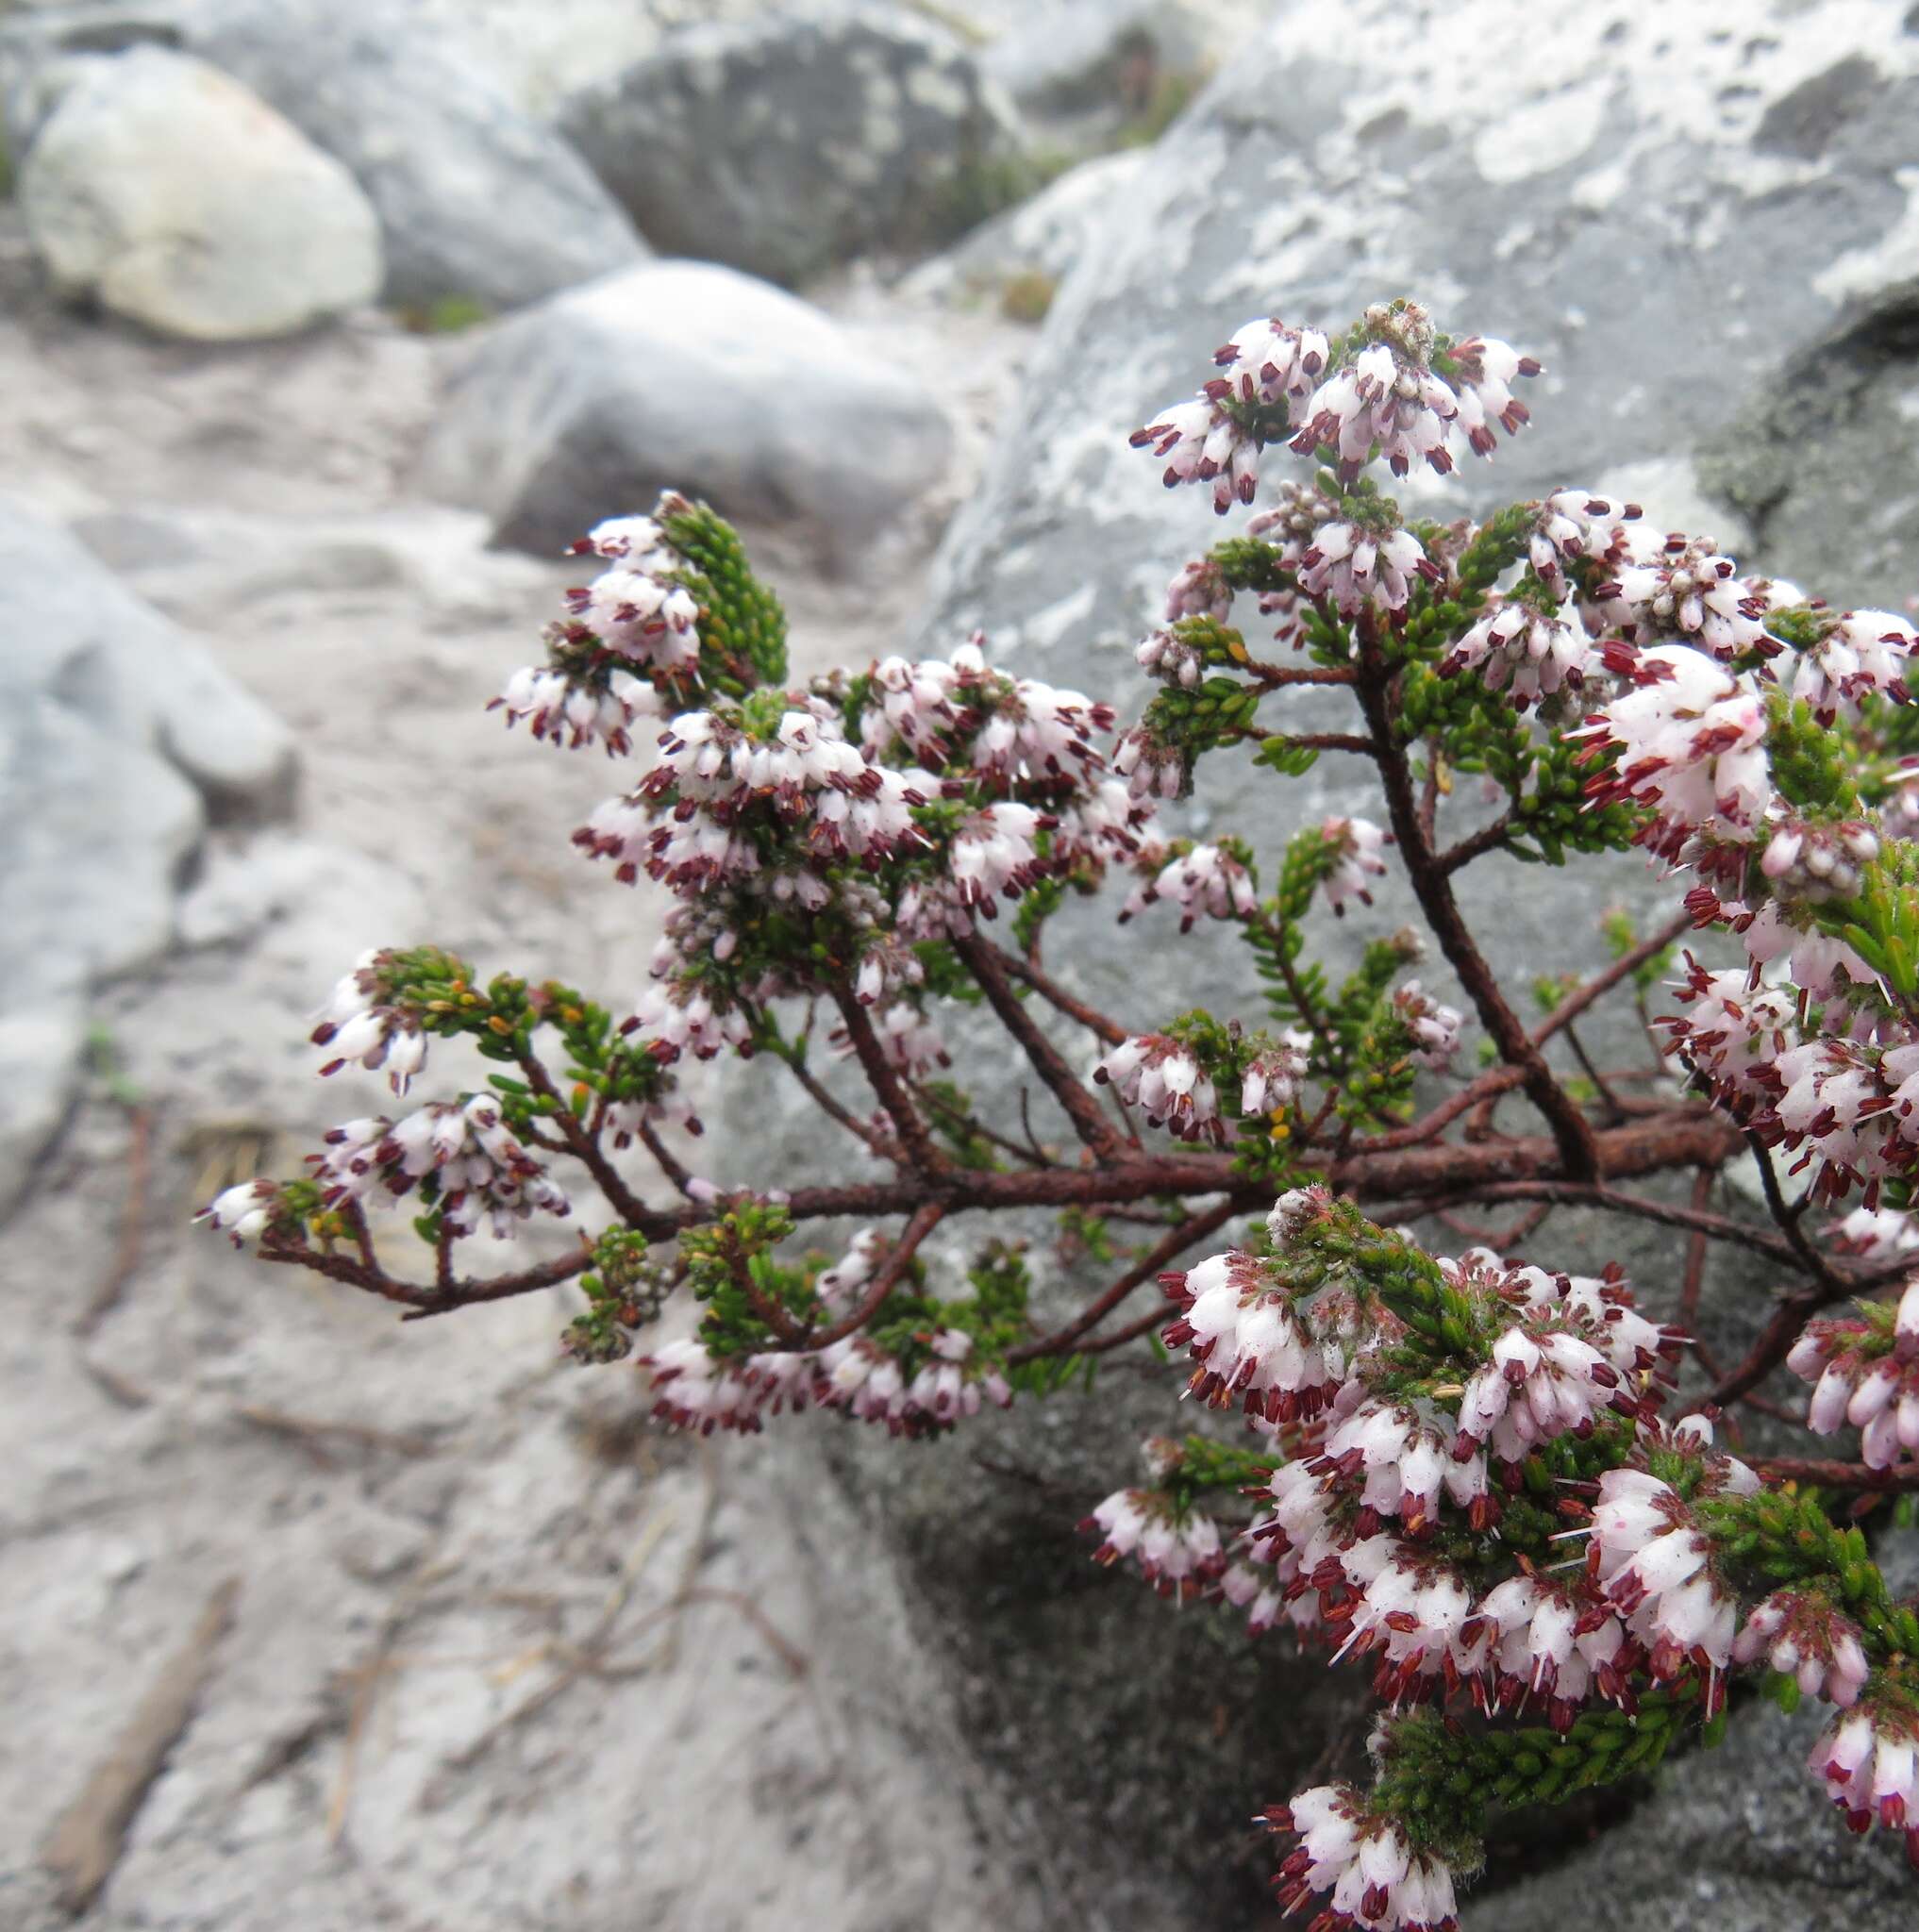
<point x="325" y="325"/>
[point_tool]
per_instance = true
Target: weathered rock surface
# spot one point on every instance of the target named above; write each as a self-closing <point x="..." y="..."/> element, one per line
<point x="120" y="740"/>
<point x="1643" y="212"/>
<point x="785" y="144"/>
<point x="1044" y="236"/>
<point x="163" y="189"/>
<point x="687" y="374"/>
<point x="476" y="198"/>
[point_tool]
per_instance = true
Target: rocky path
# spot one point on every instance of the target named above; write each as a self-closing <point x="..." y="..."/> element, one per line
<point x="502" y="1657"/>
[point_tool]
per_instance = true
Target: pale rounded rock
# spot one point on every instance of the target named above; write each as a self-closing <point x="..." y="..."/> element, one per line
<point x="683" y="374"/>
<point x="171" y="195"/>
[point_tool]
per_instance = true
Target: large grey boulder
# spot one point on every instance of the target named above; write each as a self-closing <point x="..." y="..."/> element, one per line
<point x="680" y="373"/>
<point x="1630" y="213"/>
<point x="785" y="144"/>
<point x="476" y="199"/>
<point x="163" y="189"/>
<point x="118" y="739"/>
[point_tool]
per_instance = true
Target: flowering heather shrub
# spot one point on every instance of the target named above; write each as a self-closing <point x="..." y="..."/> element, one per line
<point x="1474" y="1473"/>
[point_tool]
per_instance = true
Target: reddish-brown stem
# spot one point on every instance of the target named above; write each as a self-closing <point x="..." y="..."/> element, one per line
<point x="885" y="1083"/>
<point x="1788" y="1219"/>
<point x="664" y="1158"/>
<point x="586" y="1150"/>
<point x="1571" y="1130"/>
<point x="926" y="1219"/>
<point x="1313" y="740"/>
<point x="1488" y="838"/>
<point x="1168" y="1251"/>
<point x="758" y="1299"/>
<point x="1089" y="1118"/>
<point x="830" y="1106"/>
<point x="1276" y="676"/>
<point x="1055" y="994"/>
<point x="1838" y="1475"/>
<point x="1031" y="1155"/>
<point x="422" y="1300"/>
<point x="1442" y="1175"/>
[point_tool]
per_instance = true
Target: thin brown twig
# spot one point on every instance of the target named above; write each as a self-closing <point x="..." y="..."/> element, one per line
<point x="1089" y="1118"/>
<point x="885" y="1082"/>
<point x="925" y="1221"/>
<point x="1167" y="1252"/>
<point x="588" y="1151"/>
<point x="1055" y="994"/>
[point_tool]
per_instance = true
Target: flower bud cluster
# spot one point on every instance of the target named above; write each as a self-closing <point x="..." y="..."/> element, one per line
<point x="475" y="1166"/>
<point x="1206" y="881"/>
<point x="1164" y="1077"/>
<point x="1178" y="1551"/>
<point x="694" y="1389"/>
<point x="1864" y="1371"/>
<point x="362" y="1023"/>
<point x="1650" y="1557"/>
<point x="1371" y="1872"/>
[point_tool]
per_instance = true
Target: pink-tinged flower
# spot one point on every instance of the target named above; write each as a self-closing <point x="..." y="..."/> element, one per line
<point x="479" y="1168"/>
<point x="1374" y="1875"/>
<point x="564" y="709"/>
<point x="1802" y="1636"/>
<point x="1434" y="1027"/>
<point x="1876" y="1233"/>
<point x="637" y="542"/>
<point x="1653" y="1563"/>
<point x="1864" y="1371"/>
<point x="1204" y="442"/>
<point x="696" y="1390"/>
<point x="1199" y="589"/>
<point x="245" y="1212"/>
<point x="1541" y="1384"/>
<point x="1690" y="739"/>
<point x="1869" y="1762"/>
<point x="1171" y="660"/>
<point x="1355" y="845"/>
<point x="994" y="856"/>
<point x="359" y="1025"/>
<point x="1527" y="653"/>
<point x="1415" y="1615"/>
<point x="642" y="617"/>
<point x="1155" y="1072"/>
<point x="1205" y="882"/>
<point x="1575" y="527"/>
<point x="1483" y="371"/>
<point x="1685" y="593"/>
<point x="1178" y="1553"/>
<point x="1268" y="362"/>
<point x="1150" y="767"/>
<point x="1862" y="654"/>
<point x="683" y="1013"/>
<point x="843" y="1280"/>
<point x="1274" y="1076"/>
<point x="1256" y="1590"/>
<point x="1249" y="1341"/>
<point x="867" y="1383"/>
<point x="1385" y="400"/>
<point x="1807" y="861"/>
<point x="1404" y="1459"/>
<point x="1555" y="1642"/>
<point x="1733" y="1034"/>
<point x="1351" y="565"/>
